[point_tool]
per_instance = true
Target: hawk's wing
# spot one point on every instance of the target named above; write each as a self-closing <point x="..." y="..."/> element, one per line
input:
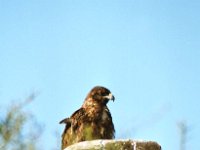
<point x="70" y="133"/>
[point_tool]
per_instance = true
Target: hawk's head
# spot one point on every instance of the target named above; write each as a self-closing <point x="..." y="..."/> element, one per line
<point x="100" y="95"/>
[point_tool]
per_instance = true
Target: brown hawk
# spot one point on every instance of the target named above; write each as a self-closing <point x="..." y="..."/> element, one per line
<point x="92" y="121"/>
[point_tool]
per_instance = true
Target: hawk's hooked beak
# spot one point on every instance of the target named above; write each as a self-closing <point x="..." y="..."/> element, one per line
<point x="110" y="97"/>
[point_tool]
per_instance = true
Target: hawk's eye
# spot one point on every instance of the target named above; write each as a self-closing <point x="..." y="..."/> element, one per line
<point x="104" y="94"/>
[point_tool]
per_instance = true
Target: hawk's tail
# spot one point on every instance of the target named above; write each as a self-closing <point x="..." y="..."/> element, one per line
<point x="66" y="121"/>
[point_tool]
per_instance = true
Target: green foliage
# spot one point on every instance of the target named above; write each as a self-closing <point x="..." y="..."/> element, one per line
<point x="18" y="128"/>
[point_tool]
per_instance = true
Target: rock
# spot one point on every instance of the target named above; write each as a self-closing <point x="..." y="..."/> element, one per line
<point x="115" y="145"/>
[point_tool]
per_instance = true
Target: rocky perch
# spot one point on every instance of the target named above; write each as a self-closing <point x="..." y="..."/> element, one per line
<point x="115" y="145"/>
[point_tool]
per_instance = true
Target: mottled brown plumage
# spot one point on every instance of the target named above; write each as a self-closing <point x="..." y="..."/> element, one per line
<point x="92" y="121"/>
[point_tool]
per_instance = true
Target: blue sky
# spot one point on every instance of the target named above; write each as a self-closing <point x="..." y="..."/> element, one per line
<point x="146" y="52"/>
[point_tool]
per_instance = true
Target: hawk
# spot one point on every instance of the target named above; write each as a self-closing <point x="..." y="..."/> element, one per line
<point x="92" y="121"/>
